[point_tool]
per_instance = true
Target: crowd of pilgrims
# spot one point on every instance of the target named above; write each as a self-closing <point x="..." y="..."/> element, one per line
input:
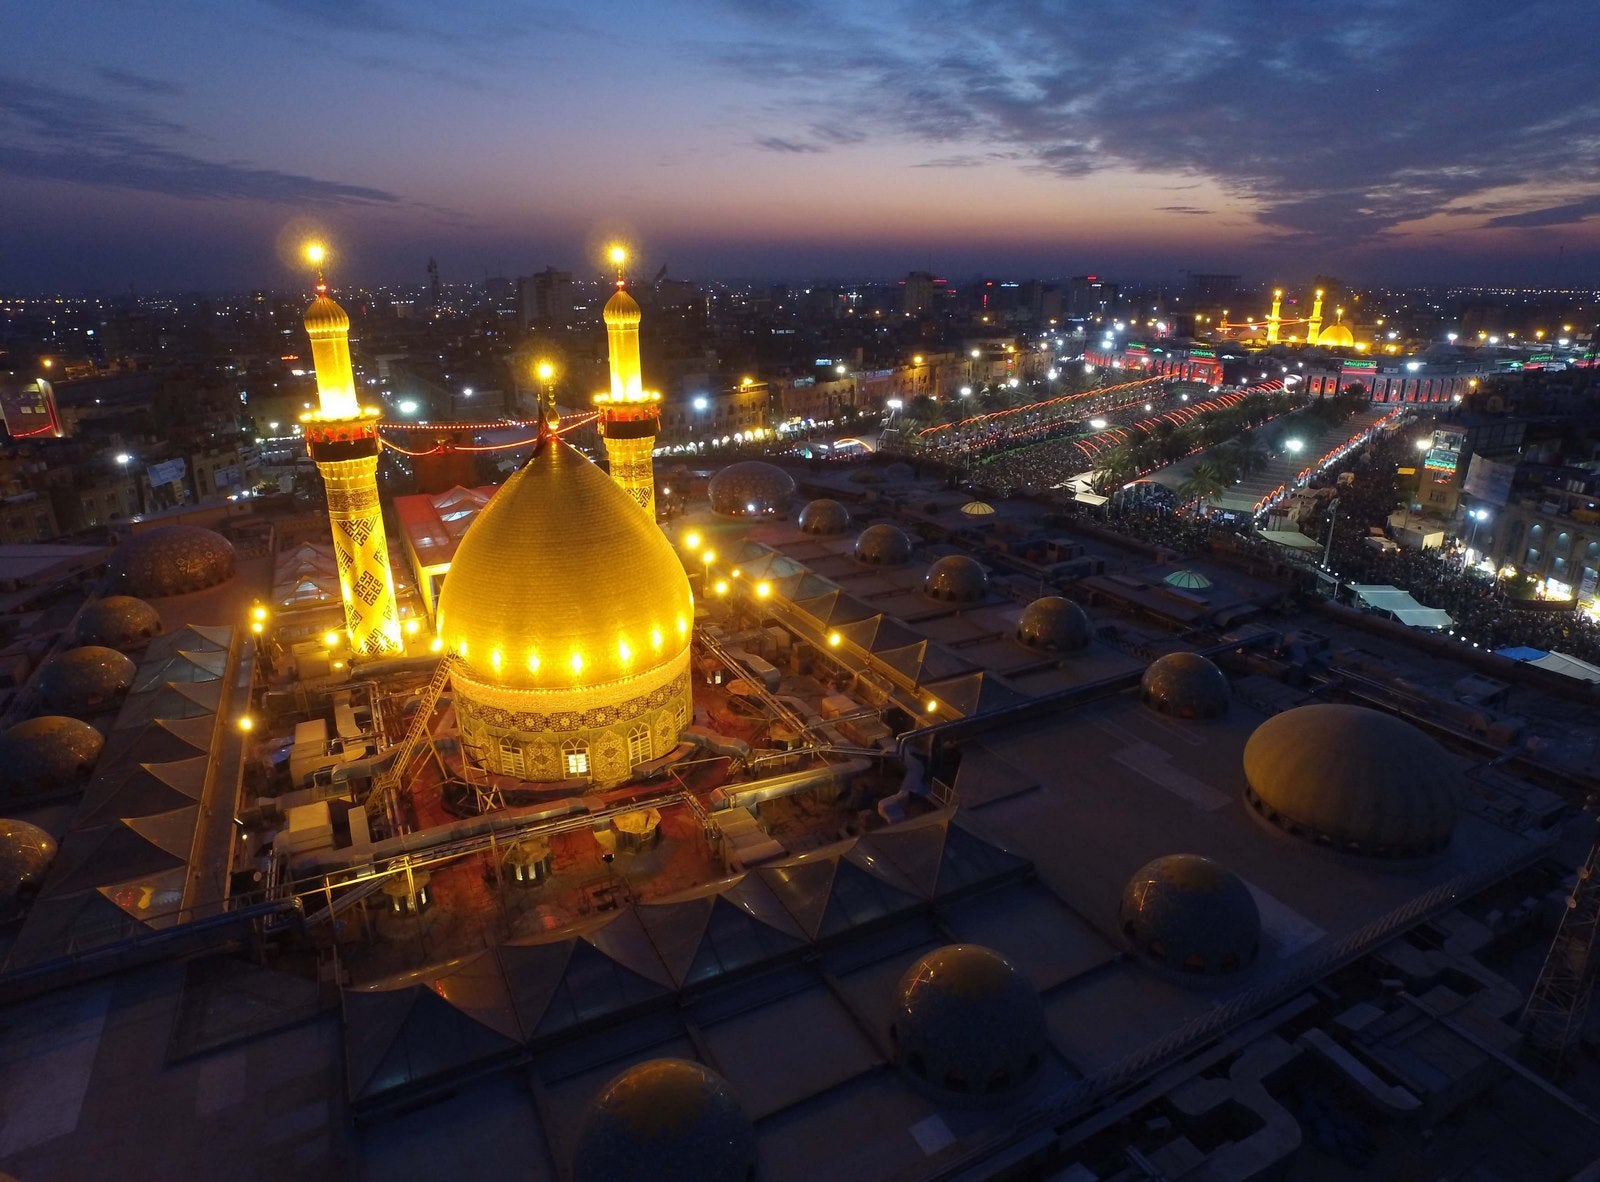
<point x="1476" y="600"/>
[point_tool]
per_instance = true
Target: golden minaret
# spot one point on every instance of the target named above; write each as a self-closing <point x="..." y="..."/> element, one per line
<point x="630" y="416"/>
<point x="343" y="441"/>
<point x="1314" y="326"/>
<point x="1275" y="316"/>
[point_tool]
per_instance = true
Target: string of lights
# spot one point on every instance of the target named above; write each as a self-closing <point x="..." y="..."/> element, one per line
<point x="569" y="423"/>
<point x="1030" y="407"/>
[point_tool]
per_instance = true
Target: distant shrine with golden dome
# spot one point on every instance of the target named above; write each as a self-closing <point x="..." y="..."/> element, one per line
<point x="566" y="609"/>
<point x="1337" y="335"/>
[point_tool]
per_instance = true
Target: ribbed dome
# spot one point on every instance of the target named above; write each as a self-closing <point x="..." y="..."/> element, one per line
<point x="1053" y="623"/>
<point x="1185" y="685"/>
<point x="561" y="581"/>
<point x="750" y="487"/>
<point x="1354" y="779"/>
<point x="49" y="753"/>
<point x="326" y="318"/>
<point x="171" y="560"/>
<point x="1336" y="336"/>
<point x="968" y="1024"/>
<point x="824" y="516"/>
<point x="117" y="621"/>
<point x="883" y="545"/>
<point x="665" y="1120"/>
<point x="91" y="677"/>
<point x="1192" y="915"/>
<point x="25" y="854"/>
<point x="622" y="308"/>
<point x="955" y="578"/>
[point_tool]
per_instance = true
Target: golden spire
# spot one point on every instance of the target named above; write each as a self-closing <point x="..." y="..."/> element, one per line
<point x="329" y="329"/>
<point x="1314" y="325"/>
<point x="622" y="333"/>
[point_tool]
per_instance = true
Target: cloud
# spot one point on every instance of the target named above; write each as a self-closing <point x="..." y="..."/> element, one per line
<point x="970" y="161"/>
<point x="49" y="134"/>
<point x="350" y="16"/>
<point x="1334" y="127"/>
<point x="774" y="143"/>
<point x="838" y="135"/>
<point x="1552" y="215"/>
<point x="139" y="83"/>
<point x="1184" y="209"/>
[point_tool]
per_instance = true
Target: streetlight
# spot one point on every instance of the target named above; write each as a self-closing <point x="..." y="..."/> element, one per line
<point x="1295" y="446"/>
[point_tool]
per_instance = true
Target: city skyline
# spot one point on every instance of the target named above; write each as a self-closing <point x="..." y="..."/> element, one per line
<point x="794" y="140"/>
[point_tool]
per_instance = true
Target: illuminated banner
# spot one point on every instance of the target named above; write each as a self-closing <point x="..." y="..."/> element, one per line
<point x="1488" y="480"/>
<point x="1441" y="459"/>
<point x="30" y="410"/>
<point x="168" y="471"/>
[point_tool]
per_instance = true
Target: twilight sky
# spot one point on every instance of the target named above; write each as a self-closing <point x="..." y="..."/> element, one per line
<point x="191" y="143"/>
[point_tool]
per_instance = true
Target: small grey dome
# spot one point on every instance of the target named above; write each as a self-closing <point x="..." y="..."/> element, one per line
<point x="91" y="677"/>
<point x="1353" y="779"/>
<point x="955" y="578"/>
<point x="968" y="1025"/>
<point x="665" y="1120"/>
<point x="750" y="488"/>
<point x="171" y="560"/>
<point x="49" y="753"/>
<point x="899" y="471"/>
<point x="1185" y="685"/>
<point x="117" y="621"/>
<point x="883" y="545"/>
<point x="1191" y="915"/>
<point x="824" y="516"/>
<point x="25" y="854"/>
<point x="1053" y="623"/>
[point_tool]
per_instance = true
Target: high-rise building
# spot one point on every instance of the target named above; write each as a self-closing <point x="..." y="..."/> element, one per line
<point x="917" y="296"/>
<point x="1091" y="295"/>
<point x="630" y="416"/>
<point x="546" y="297"/>
<point x="343" y="441"/>
<point x="1207" y="289"/>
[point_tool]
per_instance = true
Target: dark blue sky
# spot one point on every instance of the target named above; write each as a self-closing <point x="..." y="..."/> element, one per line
<point x="192" y="143"/>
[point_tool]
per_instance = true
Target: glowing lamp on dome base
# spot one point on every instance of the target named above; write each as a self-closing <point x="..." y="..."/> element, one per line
<point x="342" y="438"/>
<point x="630" y="416"/>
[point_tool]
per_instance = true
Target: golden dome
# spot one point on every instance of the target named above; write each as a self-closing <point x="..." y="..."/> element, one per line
<point x="324" y="317"/>
<point x="1337" y="336"/>
<point x="562" y="582"/>
<point x="622" y="308"/>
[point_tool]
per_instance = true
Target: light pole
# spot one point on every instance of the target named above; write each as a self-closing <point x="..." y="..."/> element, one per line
<point x="1327" y="551"/>
<point x="700" y="403"/>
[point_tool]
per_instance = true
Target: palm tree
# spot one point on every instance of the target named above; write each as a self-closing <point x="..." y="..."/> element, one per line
<point x="1206" y="483"/>
<point x="1117" y="468"/>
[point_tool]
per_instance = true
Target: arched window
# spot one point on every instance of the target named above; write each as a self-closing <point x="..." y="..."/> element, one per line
<point x="575" y="758"/>
<point x="639" y="748"/>
<point x="512" y="761"/>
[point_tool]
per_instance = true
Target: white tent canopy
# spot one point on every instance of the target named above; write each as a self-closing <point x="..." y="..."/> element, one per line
<point x="1292" y="538"/>
<point x="1399" y="605"/>
<point x="1568" y="666"/>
